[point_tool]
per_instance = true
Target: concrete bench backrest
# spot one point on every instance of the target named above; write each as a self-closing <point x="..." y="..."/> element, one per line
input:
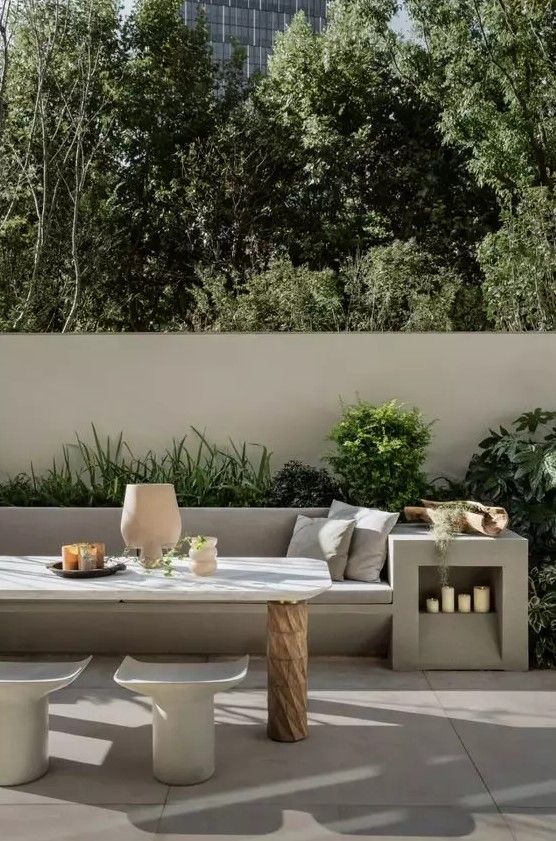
<point x="253" y="532"/>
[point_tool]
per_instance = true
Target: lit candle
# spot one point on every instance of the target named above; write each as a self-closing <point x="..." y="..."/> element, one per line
<point x="83" y="556"/>
<point x="481" y="599"/>
<point x="448" y="599"/>
<point x="433" y="606"/>
<point x="70" y="557"/>
<point x="464" y="603"/>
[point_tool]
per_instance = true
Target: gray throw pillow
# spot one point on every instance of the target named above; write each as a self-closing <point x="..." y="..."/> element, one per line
<point x="369" y="544"/>
<point x="325" y="539"/>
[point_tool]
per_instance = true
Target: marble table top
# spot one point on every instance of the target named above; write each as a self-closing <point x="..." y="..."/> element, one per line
<point x="26" y="578"/>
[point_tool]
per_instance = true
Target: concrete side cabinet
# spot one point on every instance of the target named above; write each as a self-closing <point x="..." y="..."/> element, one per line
<point x="495" y="640"/>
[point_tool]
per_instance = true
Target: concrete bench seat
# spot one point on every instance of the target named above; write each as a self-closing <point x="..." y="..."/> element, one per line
<point x="356" y="592"/>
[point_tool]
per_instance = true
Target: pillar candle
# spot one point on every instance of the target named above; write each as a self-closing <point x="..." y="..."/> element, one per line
<point x="481" y="599"/>
<point x="464" y="603"/>
<point x="70" y="557"/>
<point x="448" y="600"/>
<point x="73" y="556"/>
<point x="432" y="606"/>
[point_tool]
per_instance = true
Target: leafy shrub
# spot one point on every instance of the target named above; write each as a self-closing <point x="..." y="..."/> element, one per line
<point x="96" y="475"/>
<point x="302" y="486"/>
<point x="282" y="298"/>
<point x="399" y="287"/>
<point x="519" y="262"/>
<point x="380" y="454"/>
<point x="516" y="468"/>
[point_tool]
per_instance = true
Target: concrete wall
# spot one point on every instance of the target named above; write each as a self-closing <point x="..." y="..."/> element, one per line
<point x="281" y="390"/>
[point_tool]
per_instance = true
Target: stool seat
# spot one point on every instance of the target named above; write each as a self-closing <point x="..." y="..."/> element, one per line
<point x="24" y="690"/>
<point x="138" y="675"/>
<point x="183" y="712"/>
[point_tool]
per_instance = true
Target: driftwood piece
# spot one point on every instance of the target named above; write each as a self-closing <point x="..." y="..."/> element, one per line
<point x="484" y="519"/>
<point x="287" y="671"/>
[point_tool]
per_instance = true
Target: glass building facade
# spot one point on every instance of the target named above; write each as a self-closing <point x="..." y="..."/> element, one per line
<point x="251" y="23"/>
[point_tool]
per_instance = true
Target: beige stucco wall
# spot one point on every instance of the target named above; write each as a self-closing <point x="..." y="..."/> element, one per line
<point x="282" y="390"/>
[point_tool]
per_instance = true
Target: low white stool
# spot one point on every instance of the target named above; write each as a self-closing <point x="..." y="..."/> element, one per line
<point x="24" y="690"/>
<point x="183" y="712"/>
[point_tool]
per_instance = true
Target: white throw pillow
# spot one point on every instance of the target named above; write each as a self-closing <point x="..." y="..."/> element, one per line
<point x="369" y="543"/>
<point x="325" y="539"/>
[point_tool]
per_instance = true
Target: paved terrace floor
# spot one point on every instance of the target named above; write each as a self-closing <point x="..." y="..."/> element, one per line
<point x="434" y="755"/>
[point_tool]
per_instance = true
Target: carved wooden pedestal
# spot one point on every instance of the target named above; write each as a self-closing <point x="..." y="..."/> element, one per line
<point x="287" y="671"/>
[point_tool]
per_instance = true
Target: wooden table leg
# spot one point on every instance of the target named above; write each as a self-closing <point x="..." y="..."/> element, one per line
<point x="287" y="671"/>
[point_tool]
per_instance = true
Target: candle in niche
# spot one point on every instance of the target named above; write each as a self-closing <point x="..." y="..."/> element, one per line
<point x="433" y="606"/>
<point x="448" y="599"/>
<point x="464" y="603"/>
<point x="481" y="599"/>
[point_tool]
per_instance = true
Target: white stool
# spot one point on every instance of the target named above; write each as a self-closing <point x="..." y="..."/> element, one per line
<point x="183" y="712"/>
<point x="24" y="690"/>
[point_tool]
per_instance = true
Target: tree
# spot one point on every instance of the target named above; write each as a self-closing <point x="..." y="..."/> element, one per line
<point x="166" y="103"/>
<point x="365" y="157"/>
<point x="282" y="298"/>
<point x="491" y="66"/>
<point x="55" y="136"/>
<point x="399" y="287"/>
<point x="519" y="262"/>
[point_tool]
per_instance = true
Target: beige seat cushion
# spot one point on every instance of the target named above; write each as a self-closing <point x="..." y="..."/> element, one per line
<point x="325" y="539"/>
<point x="369" y="544"/>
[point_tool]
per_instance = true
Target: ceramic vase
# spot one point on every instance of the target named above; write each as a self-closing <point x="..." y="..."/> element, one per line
<point x="151" y="521"/>
<point x="203" y="561"/>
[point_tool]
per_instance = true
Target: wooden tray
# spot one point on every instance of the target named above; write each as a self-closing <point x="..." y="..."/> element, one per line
<point x="109" y="569"/>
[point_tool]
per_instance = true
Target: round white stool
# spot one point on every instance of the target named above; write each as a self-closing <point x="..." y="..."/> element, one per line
<point x="183" y="712"/>
<point x="24" y="690"/>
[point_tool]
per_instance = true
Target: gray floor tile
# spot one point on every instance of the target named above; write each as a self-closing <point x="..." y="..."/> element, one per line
<point x="328" y="823"/>
<point x="484" y="681"/>
<point x="79" y="823"/>
<point x="532" y="824"/>
<point x="416" y="824"/>
<point x="347" y="673"/>
<point x="100" y="749"/>
<point x="363" y="747"/>
<point x="181" y="821"/>
<point x="511" y="737"/>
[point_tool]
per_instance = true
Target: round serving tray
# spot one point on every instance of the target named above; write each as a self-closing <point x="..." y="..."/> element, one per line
<point x="109" y="569"/>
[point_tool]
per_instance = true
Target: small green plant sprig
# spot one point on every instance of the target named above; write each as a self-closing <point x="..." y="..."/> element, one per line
<point x="380" y="452"/>
<point x="178" y="552"/>
<point x="446" y="524"/>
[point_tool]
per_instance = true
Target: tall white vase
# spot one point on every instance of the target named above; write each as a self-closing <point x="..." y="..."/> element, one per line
<point x="151" y="520"/>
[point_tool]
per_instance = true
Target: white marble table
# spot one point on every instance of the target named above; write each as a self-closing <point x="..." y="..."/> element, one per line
<point x="286" y="584"/>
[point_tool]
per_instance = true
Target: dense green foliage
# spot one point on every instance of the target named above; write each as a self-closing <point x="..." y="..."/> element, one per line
<point x="145" y="188"/>
<point x="380" y="451"/>
<point x="299" y="485"/>
<point x="490" y="67"/>
<point x="96" y="474"/>
<point x="516" y="468"/>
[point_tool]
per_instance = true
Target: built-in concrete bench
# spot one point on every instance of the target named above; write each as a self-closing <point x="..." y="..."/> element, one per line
<point x="352" y="618"/>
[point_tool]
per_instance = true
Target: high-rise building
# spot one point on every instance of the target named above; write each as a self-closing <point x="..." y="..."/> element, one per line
<point x="251" y="23"/>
